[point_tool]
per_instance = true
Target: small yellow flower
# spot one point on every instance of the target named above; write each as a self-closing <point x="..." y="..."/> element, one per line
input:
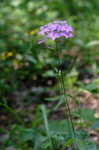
<point x="9" y="54"/>
<point x="6" y="55"/>
<point x="33" y="32"/>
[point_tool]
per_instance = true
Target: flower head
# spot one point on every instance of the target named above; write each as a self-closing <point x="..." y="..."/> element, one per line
<point x="56" y="30"/>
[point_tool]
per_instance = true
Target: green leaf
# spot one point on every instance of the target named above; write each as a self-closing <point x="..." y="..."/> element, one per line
<point x="68" y="142"/>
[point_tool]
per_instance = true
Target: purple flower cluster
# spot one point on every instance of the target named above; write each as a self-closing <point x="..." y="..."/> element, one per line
<point x="56" y="30"/>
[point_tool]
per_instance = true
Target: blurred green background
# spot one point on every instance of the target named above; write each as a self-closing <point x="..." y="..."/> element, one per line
<point x="21" y="58"/>
<point x="27" y="74"/>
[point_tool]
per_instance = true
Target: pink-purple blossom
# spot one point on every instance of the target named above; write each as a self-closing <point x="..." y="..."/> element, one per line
<point x="56" y="29"/>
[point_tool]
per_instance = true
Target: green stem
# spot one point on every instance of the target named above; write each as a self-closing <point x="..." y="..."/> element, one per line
<point x="67" y="109"/>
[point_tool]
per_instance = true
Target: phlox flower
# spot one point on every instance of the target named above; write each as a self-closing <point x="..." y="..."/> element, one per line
<point x="56" y="29"/>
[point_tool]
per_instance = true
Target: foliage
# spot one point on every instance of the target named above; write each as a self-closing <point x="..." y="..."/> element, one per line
<point x="29" y="77"/>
